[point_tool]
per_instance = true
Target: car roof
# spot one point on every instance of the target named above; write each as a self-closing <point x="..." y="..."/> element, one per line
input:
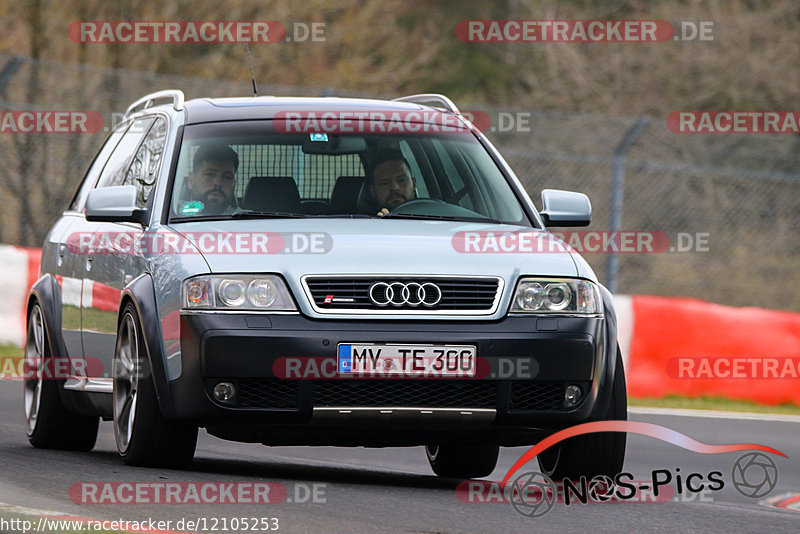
<point x="266" y="107"/>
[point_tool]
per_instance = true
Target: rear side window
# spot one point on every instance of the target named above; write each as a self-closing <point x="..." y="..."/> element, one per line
<point x="116" y="169"/>
<point x="147" y="161"/>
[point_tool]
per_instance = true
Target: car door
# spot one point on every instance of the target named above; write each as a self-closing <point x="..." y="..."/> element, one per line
<point x="102" y="270"/>
<point x="67" y="264"/>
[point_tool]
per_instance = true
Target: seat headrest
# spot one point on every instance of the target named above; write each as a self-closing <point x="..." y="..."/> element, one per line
<point x="344" y="198"/>
<point x="272" y="193"/>
<point x="365" y="204"/>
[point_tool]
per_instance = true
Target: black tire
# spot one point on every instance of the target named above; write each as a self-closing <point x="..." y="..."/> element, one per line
<point x="49" y="425"/>
<point x="462" y="461"/>
<point x="145" y="437"/>
<point x="591" y="455"/>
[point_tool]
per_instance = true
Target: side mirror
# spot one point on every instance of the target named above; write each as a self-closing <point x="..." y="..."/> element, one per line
<point x="114" y="204"/>
<point x="565" y="208"/>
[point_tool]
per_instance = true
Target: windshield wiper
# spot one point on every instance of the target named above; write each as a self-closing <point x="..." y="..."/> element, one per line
<point x="194" y="218"/>
<point x="266" y="215"/>
<point x="340" y="216"/>
<point x="422" y="217"/>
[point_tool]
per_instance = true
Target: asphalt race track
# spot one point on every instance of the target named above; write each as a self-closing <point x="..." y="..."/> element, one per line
<point x="393" y="490"/>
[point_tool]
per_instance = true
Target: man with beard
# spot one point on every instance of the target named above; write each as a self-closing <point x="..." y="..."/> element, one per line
<point x="213" y="177"/>
<point x="392" y="183"/>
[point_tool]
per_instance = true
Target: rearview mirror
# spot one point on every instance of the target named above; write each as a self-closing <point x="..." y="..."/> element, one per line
<point x="333" y="144"/>
<point x="114" y="204"/>
<point x="565" y="208"/>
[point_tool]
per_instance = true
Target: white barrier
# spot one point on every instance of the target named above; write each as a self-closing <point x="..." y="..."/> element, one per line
<point x="13" y="293"/>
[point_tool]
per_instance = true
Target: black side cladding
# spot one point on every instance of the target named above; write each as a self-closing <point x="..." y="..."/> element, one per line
<point x="142" y="292"/>
<point x="610" y="349"/>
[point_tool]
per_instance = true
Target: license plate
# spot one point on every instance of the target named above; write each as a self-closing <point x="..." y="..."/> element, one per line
<point x="420" y="361"/>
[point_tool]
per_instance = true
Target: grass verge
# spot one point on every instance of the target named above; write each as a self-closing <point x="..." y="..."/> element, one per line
<point x="714" y="403"/>
<point x="10" y="357"/>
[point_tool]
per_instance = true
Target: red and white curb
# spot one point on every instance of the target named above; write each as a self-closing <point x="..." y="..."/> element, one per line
<point x="786" y="501"/>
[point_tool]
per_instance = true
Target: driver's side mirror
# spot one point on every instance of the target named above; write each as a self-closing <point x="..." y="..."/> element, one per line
<point x="114" y="204"/>
<point x="565" y="208"/>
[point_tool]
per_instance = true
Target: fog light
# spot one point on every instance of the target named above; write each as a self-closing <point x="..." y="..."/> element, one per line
<point x="224" y="391"/>
<point x="572" y="395"/>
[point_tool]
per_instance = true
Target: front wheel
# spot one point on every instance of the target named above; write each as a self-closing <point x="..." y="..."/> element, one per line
<point x="462" y="461"/>
<point x="143" y="436"/>
<point x="591" y="455"/>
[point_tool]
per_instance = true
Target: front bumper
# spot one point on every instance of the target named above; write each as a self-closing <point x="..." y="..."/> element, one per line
<point x="524" y="365"/>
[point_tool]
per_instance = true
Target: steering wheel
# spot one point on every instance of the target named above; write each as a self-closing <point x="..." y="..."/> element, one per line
<point x="417" y="205"/>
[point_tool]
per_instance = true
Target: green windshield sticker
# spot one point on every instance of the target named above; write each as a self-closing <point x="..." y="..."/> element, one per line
<point x="319" y="137"/>
<point x="192" y="208"/>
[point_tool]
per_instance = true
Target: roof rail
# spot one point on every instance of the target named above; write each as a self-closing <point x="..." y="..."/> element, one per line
<point x="441" y="101"/>
<point x="175" y="94"/>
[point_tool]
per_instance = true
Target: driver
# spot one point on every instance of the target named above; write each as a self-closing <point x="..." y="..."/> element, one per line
<point x="213" y="177"/>
<point x="392" y="183"/>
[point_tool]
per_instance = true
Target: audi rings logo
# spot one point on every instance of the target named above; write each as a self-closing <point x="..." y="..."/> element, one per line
<point x="405" y="294"/>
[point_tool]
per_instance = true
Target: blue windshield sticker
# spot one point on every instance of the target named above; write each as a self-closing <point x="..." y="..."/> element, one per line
<point x="319" y="137"/>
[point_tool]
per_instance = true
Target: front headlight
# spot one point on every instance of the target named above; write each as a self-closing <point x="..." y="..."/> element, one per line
<point x="542" y="295"/>
<point x="237" y="292"/>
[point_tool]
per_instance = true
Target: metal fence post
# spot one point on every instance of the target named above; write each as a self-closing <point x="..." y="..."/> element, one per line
<point x="618" y="193"/>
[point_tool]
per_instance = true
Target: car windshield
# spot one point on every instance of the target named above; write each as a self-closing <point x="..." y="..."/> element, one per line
<point x="256" y="169"/>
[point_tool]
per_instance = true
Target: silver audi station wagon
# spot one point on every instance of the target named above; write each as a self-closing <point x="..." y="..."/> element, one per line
<point x="319" y="271"/>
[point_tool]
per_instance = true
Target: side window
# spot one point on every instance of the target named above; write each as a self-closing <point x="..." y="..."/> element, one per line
<point x="453" y="176"/>
<point x="94" y="170"/>
<point x="147" y="161"/>
<point x="449" y="167"/>
<point x="119" y="162"/>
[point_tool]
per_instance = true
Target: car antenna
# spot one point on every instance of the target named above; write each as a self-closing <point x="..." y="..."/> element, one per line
<point x="252" y="74"/>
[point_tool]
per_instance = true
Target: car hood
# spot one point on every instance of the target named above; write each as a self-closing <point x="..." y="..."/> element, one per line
<point x="297" y="247"/>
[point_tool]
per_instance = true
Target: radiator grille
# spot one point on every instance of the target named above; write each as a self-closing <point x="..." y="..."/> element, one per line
<point x="353" y="293"/>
